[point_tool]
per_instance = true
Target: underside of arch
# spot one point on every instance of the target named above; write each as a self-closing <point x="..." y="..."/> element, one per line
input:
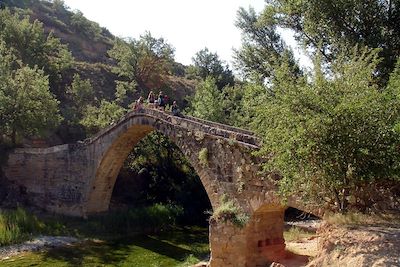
<point x="110" y="165"/>
<point x="101" y="188"/>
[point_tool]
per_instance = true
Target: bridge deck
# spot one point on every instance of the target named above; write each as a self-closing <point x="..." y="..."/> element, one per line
<point x="242" y="136"/>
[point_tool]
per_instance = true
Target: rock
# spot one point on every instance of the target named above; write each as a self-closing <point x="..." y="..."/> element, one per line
<point x="201" y="264"/>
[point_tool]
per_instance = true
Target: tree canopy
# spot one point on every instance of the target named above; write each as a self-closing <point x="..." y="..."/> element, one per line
<point x="27" y="107"/>
<point x="28" y="42"/>
<point x="207" y="102"/>
<point x="330" y="26"/>
<point x="208" y="64"/>
<point x="263" y="49"/>
<point x="146" y="61"/>
<point x="331" y="136"/>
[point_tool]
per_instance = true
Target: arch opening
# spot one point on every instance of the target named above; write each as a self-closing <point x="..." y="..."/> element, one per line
<point x="157" y="172"/>
<point x="116" y="150"/>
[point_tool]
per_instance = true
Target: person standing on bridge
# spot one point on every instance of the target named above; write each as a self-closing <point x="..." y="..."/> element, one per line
<point x="161" y="100"/>
<point x="166" y="100"/>
<point x="151" y="99"/>
<point x="175" y="110"/>
<point x="138" y="106"/>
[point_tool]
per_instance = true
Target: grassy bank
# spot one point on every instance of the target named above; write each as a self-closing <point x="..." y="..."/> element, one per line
<point x="19" y="225"/>
<point x="177" y="247"/>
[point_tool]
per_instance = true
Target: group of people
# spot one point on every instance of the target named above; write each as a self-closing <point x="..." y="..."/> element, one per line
<point x="159" y="102"/>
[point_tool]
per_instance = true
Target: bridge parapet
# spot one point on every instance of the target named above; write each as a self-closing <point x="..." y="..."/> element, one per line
<point x="219" y="130"/>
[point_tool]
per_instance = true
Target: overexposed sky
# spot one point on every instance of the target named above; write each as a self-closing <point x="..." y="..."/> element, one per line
<point x="188" y="25"/>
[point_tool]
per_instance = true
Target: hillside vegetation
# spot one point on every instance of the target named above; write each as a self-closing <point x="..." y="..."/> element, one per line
<point x="86" y="58"/>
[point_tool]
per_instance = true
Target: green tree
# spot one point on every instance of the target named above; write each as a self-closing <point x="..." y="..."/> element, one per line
<point x="394" y="81"/>
<point x="207" y="102"/>
<point x="81" y="91"/>
<point x="208" y="64"/>
<point x="254" y="96"/>
<point x="231" y="104"/>
<point x="80" y="94"/>
<point x="262" y="48"/>
<point x="393" y="89"/>
<point x="98" y="117"/>
<point x="59" y="5"/>
<point x="332" y="136"/>
<point x="330" y="25"/>
<point x="121" y="91"/>
<point x="146" y="61"/>
<point x="28" y="42"/>
<point x="27" y="107"/>
<point x="84" y="26"/>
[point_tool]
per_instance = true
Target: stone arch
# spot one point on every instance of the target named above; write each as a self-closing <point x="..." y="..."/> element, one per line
<point x="77" y="179"/>
<point x="117" y="149"/>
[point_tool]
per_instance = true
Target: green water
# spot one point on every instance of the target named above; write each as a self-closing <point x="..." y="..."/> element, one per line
<point x="178" y="247"/>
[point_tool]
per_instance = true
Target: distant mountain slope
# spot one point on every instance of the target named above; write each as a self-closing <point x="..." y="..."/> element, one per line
<point x="89" y="44"/>
<point x="86" y="39"/>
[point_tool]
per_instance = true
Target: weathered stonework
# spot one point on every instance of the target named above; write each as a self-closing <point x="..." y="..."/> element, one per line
<point x="78" y="179"/>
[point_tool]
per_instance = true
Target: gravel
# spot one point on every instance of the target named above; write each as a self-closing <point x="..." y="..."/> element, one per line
<point x="37" y="244"/>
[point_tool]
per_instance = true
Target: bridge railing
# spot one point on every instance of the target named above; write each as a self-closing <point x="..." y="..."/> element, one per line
<point x="202" y="121"/>
<point x="212" y="128"/>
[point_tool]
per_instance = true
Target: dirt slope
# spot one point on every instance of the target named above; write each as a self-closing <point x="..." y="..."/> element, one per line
<point x="359" y="246"/>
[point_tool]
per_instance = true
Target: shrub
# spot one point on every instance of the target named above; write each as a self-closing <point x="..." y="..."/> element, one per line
<point x="203" y="156"/>
<point x="148" y="219"/>
<point x="18" y="225"/>
<point x="229" y="211"/>
<point x="296" y="233"/>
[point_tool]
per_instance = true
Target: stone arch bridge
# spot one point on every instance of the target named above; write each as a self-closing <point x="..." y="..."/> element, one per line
<point x="78" y="179"/>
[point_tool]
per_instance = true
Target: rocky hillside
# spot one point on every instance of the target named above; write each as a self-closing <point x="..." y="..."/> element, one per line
<point x="89" y="44"/>
<point x="87" y="41"/>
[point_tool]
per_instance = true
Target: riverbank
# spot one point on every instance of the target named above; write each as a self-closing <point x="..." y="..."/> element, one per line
<point x="37" y="244"/>
<point x="144" y="236"/>
<point x="181" y="246"/>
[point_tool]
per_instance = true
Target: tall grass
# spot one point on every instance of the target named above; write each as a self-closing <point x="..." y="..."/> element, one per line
<point x="357" y="218"/>
<point x="142" y="219"/>
<point x="17" y="225"/>
<point x="296" y="234"/>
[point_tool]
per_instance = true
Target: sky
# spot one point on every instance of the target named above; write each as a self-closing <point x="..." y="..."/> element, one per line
<point x="188" y="25"/>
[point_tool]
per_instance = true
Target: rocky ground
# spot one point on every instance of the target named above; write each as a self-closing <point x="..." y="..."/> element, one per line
<point x="359" y="246"/>
<point x="37" y="244"/>
<point x="344" y="246"/>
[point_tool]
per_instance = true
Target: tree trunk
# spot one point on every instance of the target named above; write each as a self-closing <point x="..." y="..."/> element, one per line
<point x="344" y="202"/>
<point x="337" y="198"/>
